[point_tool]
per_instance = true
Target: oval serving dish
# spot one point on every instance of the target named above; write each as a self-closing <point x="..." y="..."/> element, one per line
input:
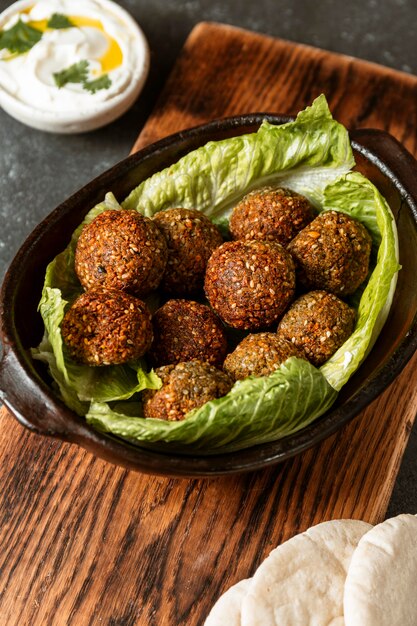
<point x="26" y="387"/>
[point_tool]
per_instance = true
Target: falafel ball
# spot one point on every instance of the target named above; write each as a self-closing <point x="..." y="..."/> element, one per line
<point x="185" y="386"/>
<point x="107" y="327"/>
<point x="121" y="250"/>
<point x="317" y="323"/>
<point x="332" y="253"/>
<point x="191" y="238"/>
<point x="271" y="214"/>
<point x="259" y="354"/>
<point x="186" y="330"/>
<point x="249" y="284"/>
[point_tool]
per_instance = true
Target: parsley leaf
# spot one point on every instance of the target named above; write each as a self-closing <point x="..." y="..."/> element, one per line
<point x="76" y="73"/>
<point x="103" y="82"/>
<point x="58" y="20"/>
<point x="19" y="38"/>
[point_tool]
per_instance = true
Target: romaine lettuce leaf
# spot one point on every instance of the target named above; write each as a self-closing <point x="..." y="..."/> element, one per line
<point x="312" y="150"/>
<point x="355" y="195"/>
<point x="254" y="411"/>
<point x="311" y="155"/>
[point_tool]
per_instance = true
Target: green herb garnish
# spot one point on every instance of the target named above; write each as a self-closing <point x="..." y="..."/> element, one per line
<point x="19" y="38"/>
<point x="76" y="73"/>
<point x="58" y="20"/>
<point x="103" y="82"/>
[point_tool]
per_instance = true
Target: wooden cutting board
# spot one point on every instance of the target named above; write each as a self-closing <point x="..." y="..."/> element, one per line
<point x="87" y="543"/>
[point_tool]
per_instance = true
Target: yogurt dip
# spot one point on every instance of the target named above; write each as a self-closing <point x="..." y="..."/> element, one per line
<point x="70" y="65"/>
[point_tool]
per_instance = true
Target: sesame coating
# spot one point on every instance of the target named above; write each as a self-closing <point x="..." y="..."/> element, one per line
<point x="249" y="284"/>
<point x="186" y="330"/>
<point x="122" y="250"/>
<point x="317" y="323"/>
<point x="191" y="238"/>
<point x="259" y="354"/>
<point x="271" y="214"/>
<point x="185" y="386"/>
<point x="107" y="327"/>
<point x="332" y="253"/>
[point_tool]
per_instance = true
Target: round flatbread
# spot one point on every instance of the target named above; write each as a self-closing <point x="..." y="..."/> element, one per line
<point x="302" y="581"/>
<point x="380" y="587"/>
<point x="227" y="608"/>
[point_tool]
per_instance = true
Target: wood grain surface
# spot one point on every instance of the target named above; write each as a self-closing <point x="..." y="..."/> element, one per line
<point x="87" y="543"/>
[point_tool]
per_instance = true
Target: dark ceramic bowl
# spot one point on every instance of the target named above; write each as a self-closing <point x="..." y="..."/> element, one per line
<point x="26" y="387"/>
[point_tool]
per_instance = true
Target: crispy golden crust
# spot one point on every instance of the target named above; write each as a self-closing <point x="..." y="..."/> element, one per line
<point x="186" y="386"/>
<point x="250" y="283"/>
<point x="191" y="238"/>
<point x="271" y="214"/>
<point x="186" y="330"/>
<point x="259" y="354"/>
<point x="121" y="250"/>
<point x="107" y="326"/>
<point x="317" y="323"/>
<point x="332" y="253"/>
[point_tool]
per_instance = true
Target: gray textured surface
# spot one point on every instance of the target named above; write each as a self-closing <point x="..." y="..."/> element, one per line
<point x="39" y="170"/>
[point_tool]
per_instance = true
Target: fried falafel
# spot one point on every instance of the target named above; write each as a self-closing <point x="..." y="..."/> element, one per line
<point x="191" y="239"/>
<point x="121" y="249"/>
<point x="271" y="214"/>
<point x="259" y="354"/>
<point x="249" y="284"/>
<point x="107" y="327"/>
<point x="185" y="330"/>
<point x="317" y="323"/>
<point x="332" y="253"/>
<point x="185" y="386"/>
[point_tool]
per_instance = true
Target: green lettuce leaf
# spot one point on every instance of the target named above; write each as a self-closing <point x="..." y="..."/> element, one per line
<point x="254" y="411"/>
<point x="311" y="155"/>
<point x="357" y="196"/>
<point x="312" y="150"/>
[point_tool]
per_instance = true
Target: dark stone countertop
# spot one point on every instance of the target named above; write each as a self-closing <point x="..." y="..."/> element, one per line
<point x="39" y="170"/>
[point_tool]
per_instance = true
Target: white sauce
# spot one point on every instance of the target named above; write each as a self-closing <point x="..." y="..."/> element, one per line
<point x="100" y="36"/>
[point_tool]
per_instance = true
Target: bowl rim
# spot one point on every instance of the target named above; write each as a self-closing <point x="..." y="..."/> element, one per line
<point x="396" y="163"/>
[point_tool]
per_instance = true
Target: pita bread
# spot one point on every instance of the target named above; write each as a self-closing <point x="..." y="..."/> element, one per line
<point x="381" y="582"/>
<point x="227" y="608"/>
<point x="302" y="581"/>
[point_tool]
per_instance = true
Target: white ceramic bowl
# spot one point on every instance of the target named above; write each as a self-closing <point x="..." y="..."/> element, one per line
<point x="100" y="113"/>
